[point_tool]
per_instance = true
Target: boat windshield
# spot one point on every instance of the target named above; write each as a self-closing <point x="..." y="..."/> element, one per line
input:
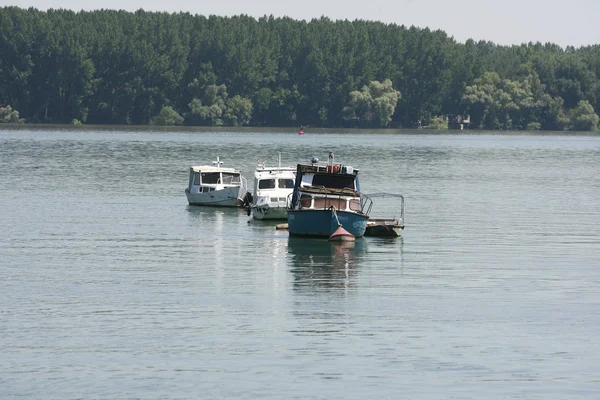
<point x="286" y="183"/>
<point x="334" y="181"/>
<point x="211" y="177"/>
<point x="266" y="184"/>
<point x="231" y="178"/>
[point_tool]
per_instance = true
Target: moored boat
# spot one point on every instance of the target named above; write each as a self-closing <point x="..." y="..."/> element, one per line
<point x="382" y="227"/>
<point x="272" y="186"/>
<point x="325" y="197"/>
<point x="213" y="185"/>
<point x="387" y="227"/>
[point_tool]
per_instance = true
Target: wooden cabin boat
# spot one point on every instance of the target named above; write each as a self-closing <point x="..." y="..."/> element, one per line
<point x="327" y="196"/>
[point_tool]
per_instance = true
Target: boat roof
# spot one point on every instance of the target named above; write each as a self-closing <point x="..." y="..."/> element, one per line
<point x="276" y="172"/>
<point x="212" y="168"/>
<point x="320" y="168"/>
<point x="274" y="169"/>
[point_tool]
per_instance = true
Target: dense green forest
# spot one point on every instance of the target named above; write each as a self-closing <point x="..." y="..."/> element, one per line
<point x="118" y="67"/>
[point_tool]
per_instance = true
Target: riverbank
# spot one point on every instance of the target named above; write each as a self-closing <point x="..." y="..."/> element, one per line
<point x="291" y="130"/>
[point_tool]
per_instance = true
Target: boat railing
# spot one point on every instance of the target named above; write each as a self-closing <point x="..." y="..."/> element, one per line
<point x="362" y="204"/>
<point x="402" y="209"/>
<point x="366" y="204"/>
<point x="383" y="194"/>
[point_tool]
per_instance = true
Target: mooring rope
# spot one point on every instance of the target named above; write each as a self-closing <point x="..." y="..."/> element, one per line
<point x="332" y="208"/>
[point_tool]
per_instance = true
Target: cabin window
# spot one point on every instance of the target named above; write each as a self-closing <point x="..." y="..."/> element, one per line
<point x="327" y="202"/>
<point x="333" y="181"/>
<point x="196" y="178"/>
<point x="286" y="183"/>
<point x="305" y="201"/>
<point x="266" y="184"/>
<point x="211" y="177"/>
<point x="231" y="179"/>
<point x="354" y="205"/>
<point x="320" y="203"/>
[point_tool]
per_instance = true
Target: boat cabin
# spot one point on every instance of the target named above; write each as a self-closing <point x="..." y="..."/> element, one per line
<point x="274" y="185"/>
<point x="269" y="183"/>
<point x="207" y="179"/>
<point x="323" y="186"/>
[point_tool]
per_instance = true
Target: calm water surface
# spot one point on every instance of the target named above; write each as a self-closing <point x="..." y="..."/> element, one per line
<point x="112" y="287"/>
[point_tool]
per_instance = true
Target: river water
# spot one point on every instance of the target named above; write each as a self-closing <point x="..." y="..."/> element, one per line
<point x="112" y="287"/>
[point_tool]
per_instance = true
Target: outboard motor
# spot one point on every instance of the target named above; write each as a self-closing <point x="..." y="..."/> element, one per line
<point x="247" y="201"/>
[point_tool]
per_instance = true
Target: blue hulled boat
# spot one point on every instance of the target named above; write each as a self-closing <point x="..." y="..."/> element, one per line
<point x="326" y="196"/>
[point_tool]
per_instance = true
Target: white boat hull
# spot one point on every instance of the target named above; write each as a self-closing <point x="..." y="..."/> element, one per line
<point x="227" y="197"/>
<point x="269" y="212"/>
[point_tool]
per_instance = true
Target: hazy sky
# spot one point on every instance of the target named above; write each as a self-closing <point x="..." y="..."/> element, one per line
<point x="574" y="22"/>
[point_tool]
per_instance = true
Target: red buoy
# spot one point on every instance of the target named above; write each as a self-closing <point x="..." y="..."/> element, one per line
<point x="342" y="235"/>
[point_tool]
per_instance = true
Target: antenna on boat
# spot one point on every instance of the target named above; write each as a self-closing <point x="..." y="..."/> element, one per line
<point x="331" y="157"/>
<point x="218" y="163"/>
<point x="279" y="159"/>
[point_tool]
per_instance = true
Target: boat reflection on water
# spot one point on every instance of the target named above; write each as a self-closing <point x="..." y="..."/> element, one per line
<point x="216" y="216"/>
<point x="316" y="263"/>
<point x="214" y="245"/>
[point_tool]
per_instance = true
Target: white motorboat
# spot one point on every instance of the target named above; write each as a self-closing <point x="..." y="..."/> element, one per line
<point x="272" y="186"/>
<point x="213" y="185"/>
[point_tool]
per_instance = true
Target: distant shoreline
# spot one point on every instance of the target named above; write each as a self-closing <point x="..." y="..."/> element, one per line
<point x="290" y="130"/>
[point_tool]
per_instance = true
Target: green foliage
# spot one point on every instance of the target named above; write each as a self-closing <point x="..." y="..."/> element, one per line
<point x="583" y="117"/>
<point x="119" y="67"/>
<point x="215" y="108"/>
<point x="439" y="122"/>
<point x="374" y="105"/>
<point x="239" y="111"/>
<point x="489" y="101"/>
<point x="167" y="116"/>
<point x="210" y="109"/>
<point x="75" y="122"/>
<point x="262" y="99"/>
<point x="10" y="116"/>
<point x="496" y="103"/>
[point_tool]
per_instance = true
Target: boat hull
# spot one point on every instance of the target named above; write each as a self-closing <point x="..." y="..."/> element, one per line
<point x="322" y="223"/>
<point x="227" y="197"/>
<point x="384" y="228"/>
<point x="270" y="213"/>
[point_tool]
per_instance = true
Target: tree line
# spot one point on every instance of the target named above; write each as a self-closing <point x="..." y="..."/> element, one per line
<point x="118" y="67"/>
